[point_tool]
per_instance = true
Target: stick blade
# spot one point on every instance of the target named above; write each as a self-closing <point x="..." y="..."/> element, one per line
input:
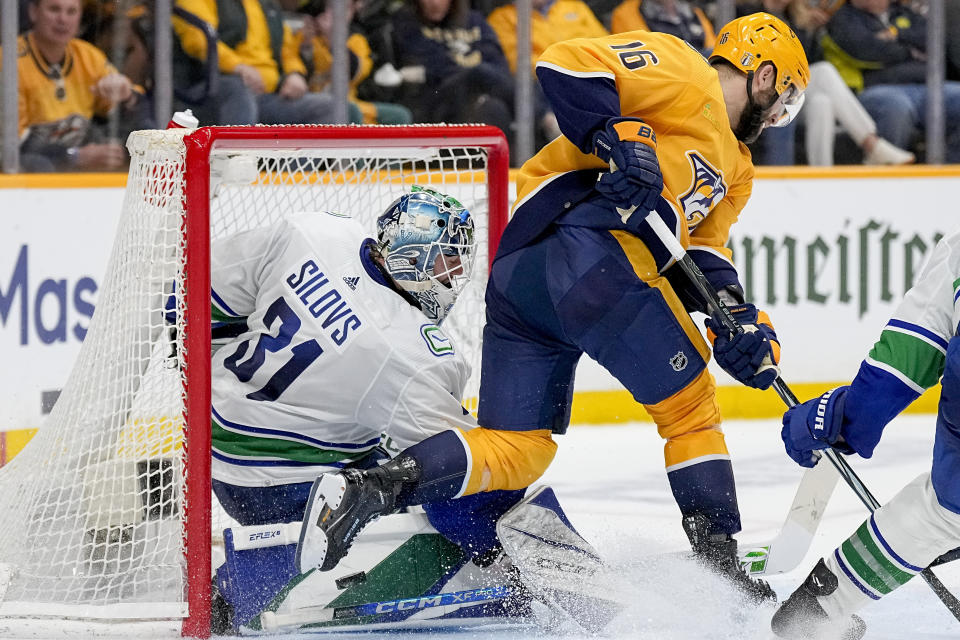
<point x="785" y="552"/>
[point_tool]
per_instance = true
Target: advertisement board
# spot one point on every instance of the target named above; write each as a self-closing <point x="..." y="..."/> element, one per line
<point x="827" y="255"/>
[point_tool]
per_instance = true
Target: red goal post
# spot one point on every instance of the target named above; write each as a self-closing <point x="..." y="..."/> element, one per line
<point x="108" y="510"/>
<point x="198" y="148"/>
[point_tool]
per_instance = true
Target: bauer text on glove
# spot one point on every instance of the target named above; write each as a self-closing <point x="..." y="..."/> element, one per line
<point x="815" y="424"/>
<point x="634" y="181"/>
<point x="751" y="356"/>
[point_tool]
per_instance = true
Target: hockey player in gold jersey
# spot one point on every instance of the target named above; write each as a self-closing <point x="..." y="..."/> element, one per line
<point x="648" y="124"/>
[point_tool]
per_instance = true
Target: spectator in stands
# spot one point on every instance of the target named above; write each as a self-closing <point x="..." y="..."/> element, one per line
<point x="828" y="99"/>
<point x="677" y="17"/>
<point x="551" y="21"/>
<point x="454" y="68"/>
<point x="64" y="84"/>
<point x="879" y="47"/>
<point x="131" y="37"/>
<point x="314" y="43"/>
<point x="263" y="79"/>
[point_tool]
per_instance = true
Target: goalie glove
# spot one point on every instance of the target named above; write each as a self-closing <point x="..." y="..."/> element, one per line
<point x="752" y="356"/>
<point x="634" y="181"/>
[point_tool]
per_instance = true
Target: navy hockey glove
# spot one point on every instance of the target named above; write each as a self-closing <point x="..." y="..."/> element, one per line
<point x="752" y="356"/>
<point x="815" y="424"/>
<point x="634" y="181"/>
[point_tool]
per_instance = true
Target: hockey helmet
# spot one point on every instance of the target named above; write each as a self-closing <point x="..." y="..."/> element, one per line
<point x="426" y="239"/>
<point x="749" y="41"/>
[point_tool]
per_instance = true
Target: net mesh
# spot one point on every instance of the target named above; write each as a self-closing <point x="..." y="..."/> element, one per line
<point x="94" y="506"/>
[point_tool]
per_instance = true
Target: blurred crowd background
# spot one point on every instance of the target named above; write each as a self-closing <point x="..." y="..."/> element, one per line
<point x="86" y="70"/>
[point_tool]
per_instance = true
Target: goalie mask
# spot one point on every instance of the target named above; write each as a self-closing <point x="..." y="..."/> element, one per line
<point x="426" y="239"/>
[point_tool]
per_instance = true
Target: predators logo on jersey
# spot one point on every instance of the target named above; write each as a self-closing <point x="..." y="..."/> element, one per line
<point x="707" y="188"/>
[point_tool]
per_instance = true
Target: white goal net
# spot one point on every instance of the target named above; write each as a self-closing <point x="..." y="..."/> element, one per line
<point x="106" y="510"/>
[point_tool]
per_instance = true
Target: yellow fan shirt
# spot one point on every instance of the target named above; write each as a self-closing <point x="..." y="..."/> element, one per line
<point x="57" y="101"/>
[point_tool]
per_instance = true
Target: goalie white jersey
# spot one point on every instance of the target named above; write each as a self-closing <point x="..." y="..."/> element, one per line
<point x="326" y="357"/>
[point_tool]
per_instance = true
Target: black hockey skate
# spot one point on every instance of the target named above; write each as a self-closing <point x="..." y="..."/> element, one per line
<point x="718" y="552"/>
<point x="341" y="504"/>
<point x="802" y="618"/>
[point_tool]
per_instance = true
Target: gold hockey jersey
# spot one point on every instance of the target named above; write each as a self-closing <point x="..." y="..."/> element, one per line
<point x="662" y="80"/>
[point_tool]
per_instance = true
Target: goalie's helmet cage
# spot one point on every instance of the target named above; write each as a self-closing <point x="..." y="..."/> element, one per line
<point x="426" y="239"/>
<point x="107" y="511"/>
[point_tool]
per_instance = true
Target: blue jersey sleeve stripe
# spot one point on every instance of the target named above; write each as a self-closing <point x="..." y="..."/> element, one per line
<point x="915" y="328"/>
<point x="290" y="435"/>
<point x="709" y="250"/>
<point x="223" y="305"/>
<point x="875" y="397"/>
<point x="582" y="103"/>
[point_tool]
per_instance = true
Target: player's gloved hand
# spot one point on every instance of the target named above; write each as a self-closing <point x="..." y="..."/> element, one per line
<point x="752" y="356"/>
<point x="634" y="181"/>
<point x="813" y="425"/>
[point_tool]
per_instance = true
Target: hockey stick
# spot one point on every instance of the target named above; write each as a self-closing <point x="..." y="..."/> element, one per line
<point x="352" y="615"/>
<point x="720" y="313"/>
<point x="787" y="550"/>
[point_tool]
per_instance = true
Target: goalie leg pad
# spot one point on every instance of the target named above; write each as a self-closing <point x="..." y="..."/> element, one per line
<point x="252" y="506"/>
<point x="557" y="564"/>
<point x="251" y="577"/>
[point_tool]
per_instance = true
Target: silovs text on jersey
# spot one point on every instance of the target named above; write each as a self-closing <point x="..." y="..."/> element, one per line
<point x="322" y="300"/>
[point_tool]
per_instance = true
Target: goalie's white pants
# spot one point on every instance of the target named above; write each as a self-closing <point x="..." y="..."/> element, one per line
<point x="897" y="542"/>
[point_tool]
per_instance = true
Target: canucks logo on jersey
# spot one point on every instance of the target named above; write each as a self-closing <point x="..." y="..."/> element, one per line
<point x="706" y="189"/>
<point x="438" y="343"/>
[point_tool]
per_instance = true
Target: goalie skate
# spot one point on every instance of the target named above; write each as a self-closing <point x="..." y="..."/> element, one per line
<point x="342" y="504"/>
<point x="324" y="520"/>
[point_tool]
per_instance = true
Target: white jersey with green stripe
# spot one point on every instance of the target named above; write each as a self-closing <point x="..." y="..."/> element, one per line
<point x="326" y="357"/>
<point x="910" y="354"/>
<point x="913" y="344"/>
<point x="921" y="521"/>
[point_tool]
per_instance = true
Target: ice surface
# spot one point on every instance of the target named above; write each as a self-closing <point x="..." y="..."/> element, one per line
<point x="611" y="482"/>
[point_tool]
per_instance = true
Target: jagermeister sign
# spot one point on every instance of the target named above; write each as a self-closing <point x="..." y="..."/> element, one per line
<point x="875" y="263"/>
<point x="830" y="259"/>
